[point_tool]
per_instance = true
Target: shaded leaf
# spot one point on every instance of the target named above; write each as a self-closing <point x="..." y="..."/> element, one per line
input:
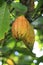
<point x="1" y="2"/>
<point x="19" y="7"/>
<point x="38" y="23"/>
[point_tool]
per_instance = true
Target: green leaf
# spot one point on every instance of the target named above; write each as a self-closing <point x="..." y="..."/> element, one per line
<point x="19" y="7"/>
<point x="4" y="20"/>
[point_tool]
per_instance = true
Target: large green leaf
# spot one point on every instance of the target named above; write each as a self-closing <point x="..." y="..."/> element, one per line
<point x="4" y="20"/>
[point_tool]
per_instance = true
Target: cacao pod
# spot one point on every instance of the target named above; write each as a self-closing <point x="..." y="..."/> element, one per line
<point x="22" y="29"/>
<point x="10" y="62"/>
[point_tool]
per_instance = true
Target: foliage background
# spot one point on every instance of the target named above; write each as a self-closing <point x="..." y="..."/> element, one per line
<point x="16" y="50"/>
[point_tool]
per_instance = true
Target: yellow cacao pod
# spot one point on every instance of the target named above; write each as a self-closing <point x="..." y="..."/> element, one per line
<point x="10" y="62"/>
<point x="22" y="29"/>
